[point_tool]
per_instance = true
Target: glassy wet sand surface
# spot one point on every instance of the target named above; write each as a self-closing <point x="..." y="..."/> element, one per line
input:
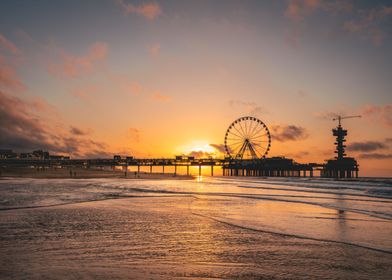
<point x="215" y="228"/>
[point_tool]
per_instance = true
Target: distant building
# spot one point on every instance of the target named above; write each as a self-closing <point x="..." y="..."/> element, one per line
<point x="6" y="154"/>
<point x="58" y="157"/>
<point x="25" y="155"/>
<point x="40" y="154"/>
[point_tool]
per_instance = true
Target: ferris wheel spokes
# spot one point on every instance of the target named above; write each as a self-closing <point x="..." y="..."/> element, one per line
<point x="247" y="138"/>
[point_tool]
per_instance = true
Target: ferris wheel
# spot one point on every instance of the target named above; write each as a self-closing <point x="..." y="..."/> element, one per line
<point x="247" y="138"/>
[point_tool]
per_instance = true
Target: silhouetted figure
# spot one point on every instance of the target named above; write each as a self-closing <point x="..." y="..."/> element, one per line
<point x="74" y="173"/>
<point x="70" y="173"/>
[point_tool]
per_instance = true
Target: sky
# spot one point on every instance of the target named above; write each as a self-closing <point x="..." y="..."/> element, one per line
<point x="164" y="78"/>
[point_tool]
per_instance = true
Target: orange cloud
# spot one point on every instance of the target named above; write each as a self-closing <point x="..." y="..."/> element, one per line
<point x="283" y="133"/>
<point x="132" y="87"/>
<point x="381" y="113"/>
<point x="368" y="24"/>
<point x="149" y="10"/>
<point x="73" y="66"/>
<point x="219" y="147"/>
<point x="85" y="93"/>
<point x="154" y="49"/>
<point x="8" y="45"/>
<point x="79" y="131"/>
<point x="9" y="79"/>
<point x="160" y="97"/>
<point x="298" y="9"/>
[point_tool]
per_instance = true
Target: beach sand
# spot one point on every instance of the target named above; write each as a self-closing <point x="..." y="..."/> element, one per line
<point x="160" y="238"/>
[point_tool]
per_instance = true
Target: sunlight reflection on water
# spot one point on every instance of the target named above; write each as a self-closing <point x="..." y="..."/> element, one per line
<point x="216" y="226"/>
<point x="199" y="179"/>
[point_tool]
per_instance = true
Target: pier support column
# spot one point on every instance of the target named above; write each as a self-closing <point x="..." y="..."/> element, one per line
<point x="199" y="170"/>
<point x="175" y="169"/>
<point x="138" y="169"/>
<point x="212" y="170"/>
<point x="187" y="170"/>
<point x="151" y="168"/>
<point x="163" y="169"/>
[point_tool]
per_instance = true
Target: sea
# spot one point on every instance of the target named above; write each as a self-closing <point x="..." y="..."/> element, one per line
<point x="202" y="228"/>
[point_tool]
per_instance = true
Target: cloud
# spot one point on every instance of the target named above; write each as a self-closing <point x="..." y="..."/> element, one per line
<point x="8" y="45"/>
<point x="134" y="134"/>
<point x="251" y="108"/>
<point x="375" y="156"/>
<point x="219" y="147"/>
<point x="283" y="133"/>
<point x="79" y="131"/>
<point x="85" y="92"/>
<point x="80" y="147"/>
<point x="154" y="49"/>
<point x="19" y="128"/>
<point x="200" y="154"/>
<point x="381" y="113"/>
<point x="125" y="85"/>
<point x="9" y="79"/>
<point x="301" y="93"/>
<point x="299" y="155"/>
<point x="148" y="10"/>
<point x="329" y="115"/>
<point x="72" y="66"/>
<point x="23" y="130"/>
<point x="298" y="9"/>
<point x="368" y="146"/>
<point x="160" y="97"/>
<point x="132" y="87"/>
<point x="368" y="24"/>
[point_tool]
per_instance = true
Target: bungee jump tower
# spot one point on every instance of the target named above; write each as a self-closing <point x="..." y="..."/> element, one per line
<point x="341" y="166"/>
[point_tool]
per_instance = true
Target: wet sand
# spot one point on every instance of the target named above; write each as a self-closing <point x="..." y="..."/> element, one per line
<point x="160" y="238"/>
<point x="214" y="228"/>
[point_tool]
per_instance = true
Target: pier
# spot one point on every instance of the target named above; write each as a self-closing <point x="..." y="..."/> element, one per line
<point x="247" y="142"/>
<point x="268" y="167"/>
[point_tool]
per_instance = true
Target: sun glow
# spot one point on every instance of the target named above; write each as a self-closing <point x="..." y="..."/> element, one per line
<point x="198" y="148"/>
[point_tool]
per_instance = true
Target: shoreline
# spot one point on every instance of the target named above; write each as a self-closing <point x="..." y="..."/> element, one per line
<point x="83" y="173"/>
